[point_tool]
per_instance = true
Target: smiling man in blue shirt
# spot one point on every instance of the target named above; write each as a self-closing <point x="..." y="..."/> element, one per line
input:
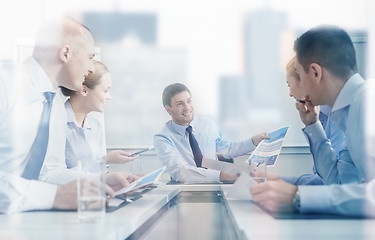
<point x="186" y="139"/>
<point x="326" y="64"/>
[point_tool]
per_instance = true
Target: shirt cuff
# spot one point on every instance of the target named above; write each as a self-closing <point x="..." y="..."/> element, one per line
<point x="213" y="175"/>
<point x="249" y="142"/>
<point x="314" y="199"/>
<point x="289" y="179"/>
<point x="315" y="132"/>
<point x="40" y="195"/>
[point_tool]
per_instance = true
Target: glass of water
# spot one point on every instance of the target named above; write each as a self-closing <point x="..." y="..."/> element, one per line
<point x="135" y="166"/>
<point x="91" y="191"/>
<point x="258" y="168"/>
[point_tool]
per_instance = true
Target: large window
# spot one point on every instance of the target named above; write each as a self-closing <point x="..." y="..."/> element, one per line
<point x="231" y="54"/>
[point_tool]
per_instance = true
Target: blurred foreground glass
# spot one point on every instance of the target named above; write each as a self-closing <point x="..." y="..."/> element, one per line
<point x="91" y="191"/>
<point x="258" y="169"/>
<point x="135" y="166"/>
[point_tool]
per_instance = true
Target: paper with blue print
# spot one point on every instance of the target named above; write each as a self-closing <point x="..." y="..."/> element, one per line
<point x="268" y="150"/>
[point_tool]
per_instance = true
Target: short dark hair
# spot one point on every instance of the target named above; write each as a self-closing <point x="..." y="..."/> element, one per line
<point x="328" y="46"/>
<point x="171" y="90"/>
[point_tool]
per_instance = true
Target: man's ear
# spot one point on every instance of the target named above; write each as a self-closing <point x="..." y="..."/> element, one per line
<point x="168" y="109"/>
<point x="316" y="72"/>
<point x="65" y="53"/>
<point x="84" y="90"/>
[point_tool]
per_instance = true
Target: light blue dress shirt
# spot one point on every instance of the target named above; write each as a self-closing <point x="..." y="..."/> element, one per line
<point x="334" y="134"/>
<point x="83" y="143"/>
<point x="347" y="199"/>
<point x="347" y="114"/>
<point x="173" y="149"/>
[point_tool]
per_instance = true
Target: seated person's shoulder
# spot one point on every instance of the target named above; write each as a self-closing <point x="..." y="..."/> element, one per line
<point x="11" y="72"/>
<point x="205" y="122"/>
<point x="165" y="132"/>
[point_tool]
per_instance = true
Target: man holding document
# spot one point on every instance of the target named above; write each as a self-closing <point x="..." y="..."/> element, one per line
<point x="326" y="64"/>
<point x="185" y="140"/>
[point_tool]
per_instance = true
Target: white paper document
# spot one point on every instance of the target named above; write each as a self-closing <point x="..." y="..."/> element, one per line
<point x="241" y="188"/>
<point x="224" y="166"/>
<point x="268" y="150"/>
<point x="143" y="181"/>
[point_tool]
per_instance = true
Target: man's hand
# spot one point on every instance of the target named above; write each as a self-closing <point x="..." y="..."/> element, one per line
<point x="66" y="196"/>
<point x="119" y="156"/>
<point x="119" y="180"/>
<point x="275" y="196"/>
<point x="258" y="138"/>
<point x="228" y="177"/>
<point x="308" y="113"/>
<point x="257" y="173"/>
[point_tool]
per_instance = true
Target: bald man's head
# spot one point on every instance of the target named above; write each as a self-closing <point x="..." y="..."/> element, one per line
<point x="65" y="48"/>
<point x="60" y="31"/>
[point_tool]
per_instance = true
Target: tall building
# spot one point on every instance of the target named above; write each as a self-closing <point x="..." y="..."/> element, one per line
<point x="139" y="76"/>
<point x="232" y="105"/>
<point x="262" y="43"/>
<point x="254" y="102"/>
<point x="140" y="70"/>
<point x="114" y="26"/>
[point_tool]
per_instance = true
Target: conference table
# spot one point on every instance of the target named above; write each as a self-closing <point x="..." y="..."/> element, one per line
<point x="173" y="211"/>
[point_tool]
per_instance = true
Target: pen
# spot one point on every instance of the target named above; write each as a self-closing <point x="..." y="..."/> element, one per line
<point x="137" y="153"/>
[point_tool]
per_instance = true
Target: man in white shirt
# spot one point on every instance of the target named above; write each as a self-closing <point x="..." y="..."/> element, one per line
<point x="175" y="145"/>
<point x="62" y="56"/>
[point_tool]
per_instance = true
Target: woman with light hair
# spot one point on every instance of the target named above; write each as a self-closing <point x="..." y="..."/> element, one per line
<point x="333" y="133"/>
<point x="85" y="135"/>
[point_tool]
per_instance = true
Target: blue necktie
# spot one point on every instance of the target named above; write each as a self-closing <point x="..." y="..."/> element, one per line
<point x="39" y="148"/>
<point x="195" y="147"/>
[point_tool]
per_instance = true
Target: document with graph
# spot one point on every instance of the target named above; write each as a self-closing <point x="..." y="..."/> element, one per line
<point x="268" y="150"/>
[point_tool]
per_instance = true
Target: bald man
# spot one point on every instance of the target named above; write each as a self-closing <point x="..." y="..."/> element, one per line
<point x="62" y="56"/>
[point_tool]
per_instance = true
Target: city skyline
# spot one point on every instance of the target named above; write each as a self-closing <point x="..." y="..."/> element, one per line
<point x="208" y="36"/>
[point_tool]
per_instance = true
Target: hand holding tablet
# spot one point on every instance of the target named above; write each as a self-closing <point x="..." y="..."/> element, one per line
<point x="150" y="178"/>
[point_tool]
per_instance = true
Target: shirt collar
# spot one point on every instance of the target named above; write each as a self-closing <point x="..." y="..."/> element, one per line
<point x="180" y="129"/>
<point x="71" y="119"/>
<point x="38" y="76"/>
<point x="69" y="113"/>
<point x="345" y="96"/>
<point x="325" y="109"/>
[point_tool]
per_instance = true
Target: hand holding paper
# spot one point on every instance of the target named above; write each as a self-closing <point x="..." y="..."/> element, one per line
<point x="241" y="188"/>
<point x="268" y="150"/>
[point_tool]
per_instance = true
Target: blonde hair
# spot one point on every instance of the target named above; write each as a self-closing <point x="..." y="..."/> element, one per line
<point x="93" y="79"/>
<point x="291" y="68"/>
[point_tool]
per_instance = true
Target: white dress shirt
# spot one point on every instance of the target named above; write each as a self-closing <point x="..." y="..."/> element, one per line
<point x="173" y="149"/>
<point x="21" y="107"/>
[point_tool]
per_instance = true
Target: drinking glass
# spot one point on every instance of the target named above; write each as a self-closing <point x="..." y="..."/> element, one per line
<point x="91" y="191"/>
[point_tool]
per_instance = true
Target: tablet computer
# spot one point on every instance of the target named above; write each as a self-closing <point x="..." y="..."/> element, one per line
<point x="150" y="178"/>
